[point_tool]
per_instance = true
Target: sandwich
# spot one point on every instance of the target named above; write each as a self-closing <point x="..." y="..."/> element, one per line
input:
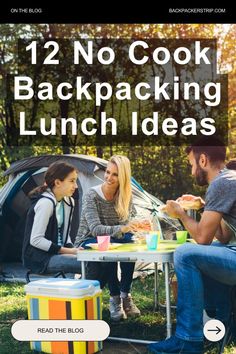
<point x="194" y="204"/>
<point x="190" y="204"/>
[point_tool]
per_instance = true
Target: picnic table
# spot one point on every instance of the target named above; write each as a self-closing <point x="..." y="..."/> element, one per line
<point x="132" y="252"/>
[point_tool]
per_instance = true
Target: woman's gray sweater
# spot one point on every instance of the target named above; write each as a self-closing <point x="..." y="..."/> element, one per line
<point x="98" y="218"/>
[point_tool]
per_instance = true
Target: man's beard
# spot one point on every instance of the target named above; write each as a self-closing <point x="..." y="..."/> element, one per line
<point x="201" y="176"/>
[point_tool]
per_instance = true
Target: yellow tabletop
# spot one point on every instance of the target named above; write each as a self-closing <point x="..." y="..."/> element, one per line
<point x="163" y="245"/>
<point x="131" y="252"/>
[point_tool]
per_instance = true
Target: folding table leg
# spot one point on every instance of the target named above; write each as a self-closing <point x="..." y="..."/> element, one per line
<point x="156" y="284"/>
<point x="83" y="270"/>
<point x="168" y="305"/>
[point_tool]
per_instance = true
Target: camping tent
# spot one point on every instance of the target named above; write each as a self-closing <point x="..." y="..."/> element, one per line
<point x="28" y="173"/>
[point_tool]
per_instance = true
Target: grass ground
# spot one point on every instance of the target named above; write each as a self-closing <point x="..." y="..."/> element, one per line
<point x="150" y="326"/>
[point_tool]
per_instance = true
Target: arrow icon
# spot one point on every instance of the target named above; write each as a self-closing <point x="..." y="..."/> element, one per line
<point x="217" y="330"/>
<point x="214" y="330"/>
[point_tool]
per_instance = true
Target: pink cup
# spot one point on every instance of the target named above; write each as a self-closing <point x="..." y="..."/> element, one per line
<point x="103" y="242"/>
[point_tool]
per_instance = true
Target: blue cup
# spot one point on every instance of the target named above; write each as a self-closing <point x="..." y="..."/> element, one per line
<point x="152" y="240"/>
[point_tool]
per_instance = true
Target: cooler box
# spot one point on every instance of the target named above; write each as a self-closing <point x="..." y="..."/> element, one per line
<point x="62" y="299"/>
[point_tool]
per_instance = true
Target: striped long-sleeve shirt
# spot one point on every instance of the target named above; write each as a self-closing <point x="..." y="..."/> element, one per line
<point x="98" y="218"/>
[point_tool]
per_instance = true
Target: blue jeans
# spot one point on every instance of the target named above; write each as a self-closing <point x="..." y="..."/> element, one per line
<point x="205" y="274"/>
<point x="107" y="272"/>
<point x="127" y="270"/>
<point x="63" y="262"/>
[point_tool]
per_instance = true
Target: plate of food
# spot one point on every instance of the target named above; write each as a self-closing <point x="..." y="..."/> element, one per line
<point x="112" y="246"/>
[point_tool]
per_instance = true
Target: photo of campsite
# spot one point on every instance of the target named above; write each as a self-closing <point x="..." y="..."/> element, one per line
<point x="99" y="111"/>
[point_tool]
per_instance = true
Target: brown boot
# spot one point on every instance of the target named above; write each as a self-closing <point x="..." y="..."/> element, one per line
<point x="129" y="307"/>
<point x="116" y="309"/>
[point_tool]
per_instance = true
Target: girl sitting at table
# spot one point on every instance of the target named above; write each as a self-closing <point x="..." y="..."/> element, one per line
<point x="106" y="210"/>
<point x="47" y="246"/>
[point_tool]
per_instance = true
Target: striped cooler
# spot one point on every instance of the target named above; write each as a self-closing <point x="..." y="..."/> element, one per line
<point x="64" y="299"/>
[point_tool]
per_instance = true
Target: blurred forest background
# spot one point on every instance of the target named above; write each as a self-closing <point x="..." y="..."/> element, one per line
<point x="161" y="170"/>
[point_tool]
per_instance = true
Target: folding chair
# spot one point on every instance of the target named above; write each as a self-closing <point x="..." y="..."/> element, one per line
<point x="55" y="275"/>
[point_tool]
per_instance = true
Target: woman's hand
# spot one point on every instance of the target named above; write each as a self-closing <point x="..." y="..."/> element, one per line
<point x="136" y="225"/>
<point x="132" y="226"/>
<point x="65" y="250"/>
<point x="125" y="228"/>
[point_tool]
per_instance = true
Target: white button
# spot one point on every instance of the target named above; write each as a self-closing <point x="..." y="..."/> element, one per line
<point x="214" y="330"/>
<point x="60" y="330"/>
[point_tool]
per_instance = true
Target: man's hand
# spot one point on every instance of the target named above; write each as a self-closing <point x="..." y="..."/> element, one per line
<point x="186" y="202"/>
<point x="173" y="209"/>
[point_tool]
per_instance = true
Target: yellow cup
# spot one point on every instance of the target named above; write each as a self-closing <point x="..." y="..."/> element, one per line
<point x="181" y="236"/>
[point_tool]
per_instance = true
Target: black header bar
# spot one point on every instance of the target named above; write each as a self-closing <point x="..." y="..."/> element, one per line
<point x="102" y="13"/>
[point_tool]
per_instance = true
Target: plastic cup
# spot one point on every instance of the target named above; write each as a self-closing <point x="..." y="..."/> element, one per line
<point x="103" y="242"/>
<point x="181" y="236"/>
<point x="152" y="240"/>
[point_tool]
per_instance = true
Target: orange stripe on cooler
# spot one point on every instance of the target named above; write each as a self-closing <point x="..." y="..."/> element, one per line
<point x="90" y="311"/>
<point x="57" y="310"/>
<point x="91" y="348"/>
<point x="60" y="348"/>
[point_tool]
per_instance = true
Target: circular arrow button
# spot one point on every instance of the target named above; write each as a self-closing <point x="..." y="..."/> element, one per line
<point x="214" y="330"/>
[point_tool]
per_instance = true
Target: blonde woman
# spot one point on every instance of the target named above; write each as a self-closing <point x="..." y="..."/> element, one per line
<point x="106" y="211"/>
